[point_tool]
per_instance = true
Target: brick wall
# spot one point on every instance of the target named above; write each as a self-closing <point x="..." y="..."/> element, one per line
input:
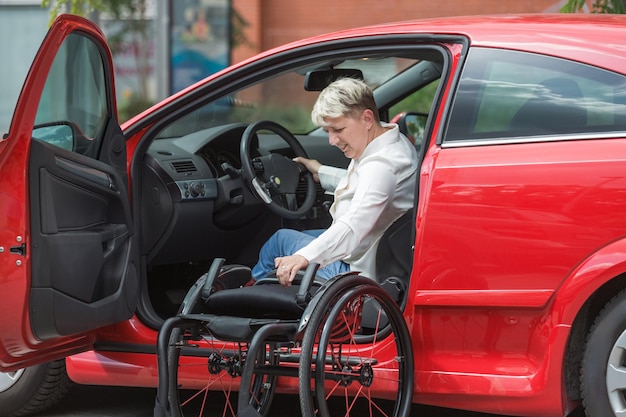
<point x="275" y="22"/>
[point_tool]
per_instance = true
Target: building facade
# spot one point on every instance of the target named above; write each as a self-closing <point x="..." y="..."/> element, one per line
<point x="276" y="22"/>
<point x="268" y="23"/>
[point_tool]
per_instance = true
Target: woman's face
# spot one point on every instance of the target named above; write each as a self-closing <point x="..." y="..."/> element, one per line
<point x="349" y="133"/>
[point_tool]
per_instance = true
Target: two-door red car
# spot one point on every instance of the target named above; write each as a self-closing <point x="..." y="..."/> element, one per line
<point x="515" y="301"/>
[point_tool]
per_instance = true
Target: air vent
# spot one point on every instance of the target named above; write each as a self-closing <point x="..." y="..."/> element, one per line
<point x="184" y="167"/>
<point x="301" y="190"/>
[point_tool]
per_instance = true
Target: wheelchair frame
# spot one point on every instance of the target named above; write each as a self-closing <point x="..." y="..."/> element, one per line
<point x="367" y="359"/>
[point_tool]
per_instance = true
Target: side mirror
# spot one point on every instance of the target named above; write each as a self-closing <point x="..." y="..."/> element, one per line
<point x="61" y="134"/>
<point x="412" y="124"/>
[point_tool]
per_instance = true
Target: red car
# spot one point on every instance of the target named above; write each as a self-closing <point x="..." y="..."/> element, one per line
<point x="515" y="296"/>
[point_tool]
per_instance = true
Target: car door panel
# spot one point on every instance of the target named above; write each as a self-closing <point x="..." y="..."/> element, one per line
<point x="80" y="228"/>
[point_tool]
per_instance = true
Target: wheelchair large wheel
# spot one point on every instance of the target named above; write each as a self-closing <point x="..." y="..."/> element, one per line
<point x="212" y="370"/>
<point x="356" y="354"/>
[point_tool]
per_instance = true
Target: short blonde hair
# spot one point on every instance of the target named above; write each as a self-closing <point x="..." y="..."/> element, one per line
<point x="341" y="98"/>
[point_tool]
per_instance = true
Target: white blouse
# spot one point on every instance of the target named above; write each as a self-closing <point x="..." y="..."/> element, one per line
<point x="370" y="195"/>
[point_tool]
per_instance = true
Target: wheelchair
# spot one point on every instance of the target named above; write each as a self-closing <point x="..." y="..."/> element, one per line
<point x="342" y="345"/>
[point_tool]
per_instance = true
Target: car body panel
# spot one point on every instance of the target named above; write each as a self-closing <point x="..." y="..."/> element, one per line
<point x="520" y="218"/>
<point x="517" y="239"/>
<point x="60" y="209"/>
<point x="458" y="310"/>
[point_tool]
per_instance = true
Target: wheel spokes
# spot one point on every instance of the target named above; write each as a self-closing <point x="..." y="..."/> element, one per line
<point x="353" y="382"/>
<point x="216" y="363"/>
<point x="357" y="349"/>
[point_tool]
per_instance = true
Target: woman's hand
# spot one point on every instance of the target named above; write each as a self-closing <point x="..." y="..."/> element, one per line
<point x="288" y="266"/>
<point x="311" y="165"/>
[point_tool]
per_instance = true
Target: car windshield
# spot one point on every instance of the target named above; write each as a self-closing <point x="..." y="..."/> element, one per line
<point x="283" y="98"/>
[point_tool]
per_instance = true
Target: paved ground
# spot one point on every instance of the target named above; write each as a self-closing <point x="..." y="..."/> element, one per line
<point x="86" y="401"/>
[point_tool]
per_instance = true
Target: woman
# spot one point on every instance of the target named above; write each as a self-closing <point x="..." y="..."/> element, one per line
<point x="375" y="190"/>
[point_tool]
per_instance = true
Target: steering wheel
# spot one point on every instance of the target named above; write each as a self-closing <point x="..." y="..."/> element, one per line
<point x="274" y="178"/>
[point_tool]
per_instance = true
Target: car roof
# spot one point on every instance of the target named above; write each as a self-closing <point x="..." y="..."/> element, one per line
<point x="592" y="38"/>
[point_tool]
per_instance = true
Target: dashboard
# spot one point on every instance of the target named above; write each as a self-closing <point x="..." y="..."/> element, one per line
<point x="192" y="163"/>
<point x="194" y="198"/>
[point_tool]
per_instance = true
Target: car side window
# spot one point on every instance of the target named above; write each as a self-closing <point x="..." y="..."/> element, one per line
<point x="508" y="94"/>
<point x="72" y="112"/>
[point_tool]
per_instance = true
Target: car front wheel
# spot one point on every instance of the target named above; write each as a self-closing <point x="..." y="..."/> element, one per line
<point x="603" y="375"/>
<point x="31" y="390"/>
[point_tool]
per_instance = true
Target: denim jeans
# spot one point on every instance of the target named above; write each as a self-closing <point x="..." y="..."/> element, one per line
<point x="286" y="242"/>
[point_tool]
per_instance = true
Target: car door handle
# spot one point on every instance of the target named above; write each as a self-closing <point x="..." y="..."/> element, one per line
<point x="111" y="236"/>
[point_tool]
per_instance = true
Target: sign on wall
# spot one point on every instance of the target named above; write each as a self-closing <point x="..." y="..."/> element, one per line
<point x="199" y="40"/>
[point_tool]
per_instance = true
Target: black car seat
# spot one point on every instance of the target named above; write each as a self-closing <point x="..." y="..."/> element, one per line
<point x="554" y="108"/>
<point x="394" y="257"/>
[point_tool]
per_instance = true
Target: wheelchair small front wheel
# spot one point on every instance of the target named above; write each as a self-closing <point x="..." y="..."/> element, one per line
<point x="356" y="354"/>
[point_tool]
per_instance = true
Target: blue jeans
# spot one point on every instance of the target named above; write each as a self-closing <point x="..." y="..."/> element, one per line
<point x="286" y="242"/>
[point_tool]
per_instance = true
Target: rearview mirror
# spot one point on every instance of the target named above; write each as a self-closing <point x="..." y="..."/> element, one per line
<point x="317" y="80"/>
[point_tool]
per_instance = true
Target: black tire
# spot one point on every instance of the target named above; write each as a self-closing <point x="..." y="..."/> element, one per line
<point x="218" y="393"/>
<point x="603" y="370"/>
<point x="34" y="389"/>
<point x="335" y="328"/>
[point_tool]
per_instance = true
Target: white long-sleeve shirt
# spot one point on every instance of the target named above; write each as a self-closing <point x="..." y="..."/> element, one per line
<point x="375" y="190"/>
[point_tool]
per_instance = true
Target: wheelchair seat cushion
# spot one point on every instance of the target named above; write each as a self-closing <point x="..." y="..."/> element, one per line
<point x="257" y="301"/>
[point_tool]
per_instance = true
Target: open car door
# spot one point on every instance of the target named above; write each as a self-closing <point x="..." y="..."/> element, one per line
<point x="68" y="257"/>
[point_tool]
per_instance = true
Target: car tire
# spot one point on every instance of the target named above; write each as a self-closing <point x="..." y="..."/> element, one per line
<point x="603" y="371"/>
<point x="31" y="390"/>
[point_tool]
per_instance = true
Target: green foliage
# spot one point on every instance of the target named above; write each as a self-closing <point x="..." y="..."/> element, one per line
<point x="78" y="7"/>
<point x="598" y="6"/>
<point x="237" y="35"/>
<point x="420" y="101"/>
<point x="133" y="8"/>
<point x="132" y="106"/>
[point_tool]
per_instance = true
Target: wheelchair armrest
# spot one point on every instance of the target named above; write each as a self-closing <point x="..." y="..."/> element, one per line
<point x="304" y="279"/>
<point x="214" y="271"/>
<point x="302" y="297"/>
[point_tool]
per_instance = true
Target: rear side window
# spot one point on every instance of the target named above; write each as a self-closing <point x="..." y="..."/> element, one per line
<point x="508" y="94"/>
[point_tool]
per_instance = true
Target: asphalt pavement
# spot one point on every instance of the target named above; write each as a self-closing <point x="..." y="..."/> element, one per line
<point x="96" y="401"/>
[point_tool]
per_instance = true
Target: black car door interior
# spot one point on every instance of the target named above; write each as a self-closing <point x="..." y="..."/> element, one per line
<point x="84" y="273"/>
